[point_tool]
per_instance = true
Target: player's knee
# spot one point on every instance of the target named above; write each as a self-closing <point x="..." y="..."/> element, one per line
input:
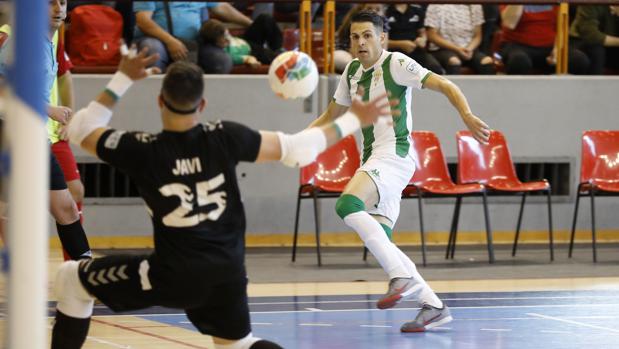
<point x="64" y="209"/>
<point x="347" y="204"/>
<point x="248" y="342"/>
<point x="73" y="299"/>
<point x="77" y="190"/>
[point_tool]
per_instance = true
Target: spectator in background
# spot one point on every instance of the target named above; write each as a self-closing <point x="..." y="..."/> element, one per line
<point x="596" y="32"/>
<point x="454" y="32"/>
<point x="342" y="55"/>
<point x="152" y="30"/>
<point x="492" y="18"/>
<point x="408" y="35"/>
<point x="529" y="33"/>
<point x="250" y="47"/>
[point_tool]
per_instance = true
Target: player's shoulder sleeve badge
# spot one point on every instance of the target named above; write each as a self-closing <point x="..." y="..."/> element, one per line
<point x="413" y="67"/>
<point x="113" y="139"/>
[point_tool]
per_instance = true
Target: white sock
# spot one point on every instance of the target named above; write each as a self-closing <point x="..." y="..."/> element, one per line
<point x="378" y="243"/>
<point x="427" y="294"/>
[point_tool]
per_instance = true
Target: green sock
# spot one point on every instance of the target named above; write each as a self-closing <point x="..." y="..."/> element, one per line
<point x="388" y="231"/>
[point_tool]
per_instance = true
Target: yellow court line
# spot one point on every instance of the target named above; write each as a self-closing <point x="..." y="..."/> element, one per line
<point x="346" y="239"/>
<point x="378" y="287"/>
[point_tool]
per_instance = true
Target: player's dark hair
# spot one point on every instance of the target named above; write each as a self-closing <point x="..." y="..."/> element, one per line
<point x="369" y="16"/>
<point x="183" y="87"/>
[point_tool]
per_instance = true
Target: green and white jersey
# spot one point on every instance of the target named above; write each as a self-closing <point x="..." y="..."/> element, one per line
<point x="396" y="74"/>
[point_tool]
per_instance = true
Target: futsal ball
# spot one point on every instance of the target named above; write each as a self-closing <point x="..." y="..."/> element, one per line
<point x="293" y="74"/>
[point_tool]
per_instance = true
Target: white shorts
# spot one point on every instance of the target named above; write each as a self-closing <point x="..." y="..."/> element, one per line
<point x="391" y="175"/>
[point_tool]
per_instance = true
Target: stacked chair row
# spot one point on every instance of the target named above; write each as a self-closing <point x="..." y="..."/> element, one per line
<point x="483" y="170"/>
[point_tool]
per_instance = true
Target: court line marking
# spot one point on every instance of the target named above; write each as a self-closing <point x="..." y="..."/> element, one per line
<point x="573" y="322"/>
<point x="382" y="326"/>
<point x="444" y="299"/>
<point x="496" y="329"/>
<point x="102" y="341"/>
<point x="316" y="324"/>
<point x="149" y="334"/>
<point x="313" y="309"/>
<point x="397" y="309"/>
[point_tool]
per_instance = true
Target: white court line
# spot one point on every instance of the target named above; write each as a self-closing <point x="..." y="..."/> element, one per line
<point x="496" y="329"/>
<point x="441" y="328"/>
<point x="444" y="299"/>
<point x="103" y="341"/>
<point x="396" y="309"/>
<point x="556" y="332"/>
<point x="313" y="309"/>
<point x="573" y="322"/>
<point x="262" y="323"/>
<point x="316" y="324"/>
<point x="385" y="326"/>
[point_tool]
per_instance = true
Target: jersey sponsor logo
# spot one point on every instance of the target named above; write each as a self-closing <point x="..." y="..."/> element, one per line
<point x="378" y="75"/>
<point x="144" y="137"/>
<point x="187" y="166"/>
<point x="113" y="139"/>
<point x="105" y="276"/>
<point x="401" y="61"/>
<point x="375" y="172"/>
<point x="203" y="196"/>
<point x="413" y="67"/>
<point x="213" y="125"/>
<point x="415" y="18"/>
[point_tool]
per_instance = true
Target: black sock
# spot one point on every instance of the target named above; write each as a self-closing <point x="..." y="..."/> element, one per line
<point x="69" y="332"/>
<point x="73" y="239"/>
<point x="264" y="344"/>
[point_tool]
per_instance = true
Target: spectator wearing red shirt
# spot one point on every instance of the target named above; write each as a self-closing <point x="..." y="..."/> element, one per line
<point x="529" y="33"/>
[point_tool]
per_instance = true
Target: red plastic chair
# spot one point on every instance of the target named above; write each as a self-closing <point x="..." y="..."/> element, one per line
<point x="326" y="178"/>
<point x="599" y="174"/>
<point x="431" y="179"/>
<point x="492" y="166"/>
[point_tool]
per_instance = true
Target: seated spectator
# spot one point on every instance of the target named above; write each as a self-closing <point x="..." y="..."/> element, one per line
<point x="454" y="32"/>
<point x="595" y="31"/>
<point x="181" y="42"/>
<point x="408" y="35"/>
<point x="342" y="55"/>
<point x="529" y="33"/>
<point x="250" y="48"/>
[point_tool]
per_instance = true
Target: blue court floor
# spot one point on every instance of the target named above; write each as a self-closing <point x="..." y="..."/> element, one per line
<point x="545" y="319"/>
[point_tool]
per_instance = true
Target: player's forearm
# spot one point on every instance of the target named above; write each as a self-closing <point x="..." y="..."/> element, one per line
<point x="65" y="90"/>
<point x="456" y="98"/>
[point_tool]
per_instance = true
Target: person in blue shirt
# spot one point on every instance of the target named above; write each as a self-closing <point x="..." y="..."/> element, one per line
<point x="181" y="42"/>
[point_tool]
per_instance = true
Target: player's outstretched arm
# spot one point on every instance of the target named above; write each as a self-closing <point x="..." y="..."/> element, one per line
<point x="87" y="125"/>
<point x="332" y="112"/>
<point x="302" y="148"/>
<point x="480" y="130"/>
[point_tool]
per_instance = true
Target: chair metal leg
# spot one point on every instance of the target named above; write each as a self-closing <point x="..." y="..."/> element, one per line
<point x="421" y="228"/>
<point x="365" y="253"/>
<point x="488" y="230"/>
<point x="451" y="244"/>
<point x="524" y="198"/>
<point x="574" y="222"/>
<point x="317" y="226"/>
<point x="593" y="239"/>
<point x="296" y="227"/>
<point x="550" y="232"/>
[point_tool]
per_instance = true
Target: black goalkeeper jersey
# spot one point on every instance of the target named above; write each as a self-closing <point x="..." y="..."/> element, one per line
<point x="188" y="182"/>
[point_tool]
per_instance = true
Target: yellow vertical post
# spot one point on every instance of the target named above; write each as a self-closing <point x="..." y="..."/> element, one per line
<point x="562" y="38"/>
<point x="328" y="35"/>
<point x="305" y="26"/>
